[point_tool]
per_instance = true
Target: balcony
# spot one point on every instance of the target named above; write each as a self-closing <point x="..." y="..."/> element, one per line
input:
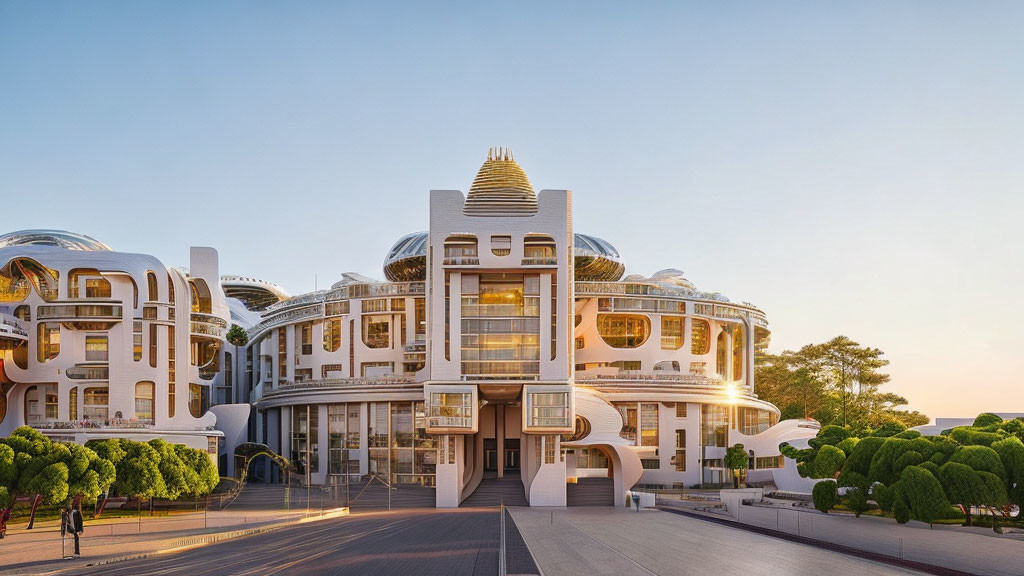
<point x="12" y="332"/>
<point x="88" y="372"/>
<point x="285" y="387"/>
<point x="82" y="316"/>
<point x="208" y="326"/>
<point x="633" y="379"/>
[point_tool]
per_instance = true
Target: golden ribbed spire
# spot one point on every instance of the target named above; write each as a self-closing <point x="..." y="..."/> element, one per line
<point x="500" y="188"/>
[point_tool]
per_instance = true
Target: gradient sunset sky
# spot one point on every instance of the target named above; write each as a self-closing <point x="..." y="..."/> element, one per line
<point x="852" y="168"/>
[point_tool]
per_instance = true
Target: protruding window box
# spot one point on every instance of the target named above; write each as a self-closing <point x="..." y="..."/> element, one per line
<point x="541" y="261"/>
<point x="451" y="409"/>
<point x="547" y="409"/>
<point x="208" y="326"/>
<point x="461" y="261"/>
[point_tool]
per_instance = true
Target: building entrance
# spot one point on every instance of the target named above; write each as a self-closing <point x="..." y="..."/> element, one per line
<point x="511" y="454"/>
<point x="490" y="455"/>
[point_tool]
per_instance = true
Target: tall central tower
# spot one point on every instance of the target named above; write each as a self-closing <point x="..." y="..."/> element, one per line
<point x="499" y="288"/>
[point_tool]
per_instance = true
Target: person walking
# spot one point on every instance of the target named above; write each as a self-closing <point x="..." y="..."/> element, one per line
<point x="5" y="515"/>
<point x="71" y="521"/>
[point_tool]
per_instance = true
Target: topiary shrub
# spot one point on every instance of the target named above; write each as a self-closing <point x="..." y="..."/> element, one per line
<point x="829" y="436"/>
<point x="1011" y="452"/>
<point x="889" y="429"/>
<point x="883" y="496"/>
<point x="909" y="458"/>
<point x="971" y="437"/>
<point x="859" y="460"/>
<point x="908" y="434"/>
<point x="987" y="419"/>
<point x="828" y="462"/>
<point x="825" y="495"/>
<point x="981" y="459"/>
<point x="900" y="510"/>
<point x="857" y="501"/>
<point x="848" y="445"/>
<point x="924" y="494"/>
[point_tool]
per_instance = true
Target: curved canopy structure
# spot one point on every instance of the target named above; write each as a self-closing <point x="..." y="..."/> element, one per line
<point x="58" y="238"/>
<point x="596" y="260"/>
<point x="500" y="188"/>
<point x="255" y="294"/>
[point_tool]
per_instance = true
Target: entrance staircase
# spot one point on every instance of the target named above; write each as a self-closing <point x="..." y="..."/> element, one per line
<point x="493" y="491"/>
<point x="590" y="492"/>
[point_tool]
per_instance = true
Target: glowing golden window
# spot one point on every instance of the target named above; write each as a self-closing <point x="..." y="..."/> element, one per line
<point x="700" y="340"/>
<point x="672" y="332"/>
<point x="623" y="330"/>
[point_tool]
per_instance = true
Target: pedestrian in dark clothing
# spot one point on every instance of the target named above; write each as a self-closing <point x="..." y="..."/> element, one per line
<point x="5" y="515"/>
<point x="71" y="521"/>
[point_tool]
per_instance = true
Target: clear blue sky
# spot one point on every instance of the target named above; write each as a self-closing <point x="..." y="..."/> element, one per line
<point x="852" y="167"/>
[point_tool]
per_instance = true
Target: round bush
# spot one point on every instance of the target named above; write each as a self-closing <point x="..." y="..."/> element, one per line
<point x="825" y="495"/>
<point x="829" y="461"/>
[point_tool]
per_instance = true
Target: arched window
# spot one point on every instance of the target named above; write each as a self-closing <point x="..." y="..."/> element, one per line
<point x="700" y="337"/>
<point x="722" y="353"/>
<point x="201" y="301"/>
<point x="144" y="395"/>
<point x="539" y="247"/>
<point x="154" y="293"/>
<point x="738" y="346"/>
<point x="623" y="330"/>
<point x="170" y="289"/>
<point x="197" y="400"/>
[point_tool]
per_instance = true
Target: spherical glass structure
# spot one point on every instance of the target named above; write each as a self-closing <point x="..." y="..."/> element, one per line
<point x="58" y="238"/>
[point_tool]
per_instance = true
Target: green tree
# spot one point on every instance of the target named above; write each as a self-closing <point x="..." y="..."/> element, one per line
<point x="900" y="510"/>
<point x="856" y="501"/>
<point x="825" y="495"/>
<point x="736" y="460"/>
<point x="1011" y="452"/>
<point x="981" y="459"/>
<point x="237" y="336"/>
<point x="924" y="494"/>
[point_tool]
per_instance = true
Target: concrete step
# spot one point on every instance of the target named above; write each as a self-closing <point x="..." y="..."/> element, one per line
<point x="495" y="491"/>
<point x="590" y="492"/>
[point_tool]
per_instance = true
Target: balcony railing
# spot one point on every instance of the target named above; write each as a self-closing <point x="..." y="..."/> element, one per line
<point x="541" y="261"/>
<point x="79" y="312"/>
<point x="115" y="423"/>
<point x="461" y="261"/>
<point x="449" y="421"/>
<point x="284" y="387"/>
<point x="634" y="379"/>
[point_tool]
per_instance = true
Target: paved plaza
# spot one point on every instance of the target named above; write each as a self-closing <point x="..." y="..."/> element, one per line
<point x="621" y="542"/>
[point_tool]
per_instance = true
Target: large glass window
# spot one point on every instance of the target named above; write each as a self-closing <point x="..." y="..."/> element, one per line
<point x="96" y="348"/>
<point x="714" y="425"/>
<point x="48" y="343"/>
<point x="151" y="285"/>
<point x="343" y="436"/>
<point x="649" y="424"/>
<point x="421" y="318"/>
<point x="144" y="400"/>
<point x="376" y="331"/>
<point x="755" y="420"/>
<point x="623" y="330"/>
<point x="549" y="409"/>
<point x="72" y="405"/>
<point x="738" y="345"/>
<point x="198" y="400"/>
<point x="501" y="325"/>
<point x="95" y="400"/>
<point x="457" y="248"/>
<point x="539" y="248"/>
<point x="282" y="352"/>
<point x="672" y="332"/>
<point x="722" y="353"/>
<point x="450" y="410"/>
<point x="171" y="372"/>
<point x="700" y="336"/>
<point x="97" y="288"/>
<point x="305" y="448"/>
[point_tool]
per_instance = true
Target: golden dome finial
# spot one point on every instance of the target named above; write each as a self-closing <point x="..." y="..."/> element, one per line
<point x="501" y="187"/>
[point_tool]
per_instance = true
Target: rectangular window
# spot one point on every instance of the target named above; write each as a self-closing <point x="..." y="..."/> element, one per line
<point x="48" y="345"/>
<point x="375" y="305"/>
<point x="307" y="339"/>
<point x="549" y="409"/>
<point x="700" y="337"/>
<point x="650" y="463"/>
<point x="672" y="332"/>
<point x="649" y="424"/>
<point x="144" y="400"/>
<point x="170" y="372"/>
<point x="337" y="451"/>
<point x="97" y="288"/>
<point x="549" y="449"/>
<point x="680" y="409"/>
<point x="714" y="426"/>
<point x="302" y="374"/>
<point x="152" y="345"/>
<point x="51" y="406"/>
<point x="680" y="450"/>
<point x="282" y="352"/>
<point x="698" y="368"/>
<point x="136" y="340"/>
<point x="95" y="400"/>
<point x="769" y="462"/>
<point x="73" y="404"/>
<point x="421" y="318"/>
<point x="377" y="331"/>
<point x="450" y="410"/>
<point x="332" y="334"/>
<point x="96" y="348"/>
<point x="398" y="304"/>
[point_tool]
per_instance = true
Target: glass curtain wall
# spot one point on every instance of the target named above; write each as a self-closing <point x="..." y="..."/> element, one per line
<point x="400" y="448"/>
<point x="501" y="325"/>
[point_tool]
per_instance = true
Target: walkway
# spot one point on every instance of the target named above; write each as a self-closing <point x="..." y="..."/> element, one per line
<point x="621" y="542"/>
<point x="453" y="542"/>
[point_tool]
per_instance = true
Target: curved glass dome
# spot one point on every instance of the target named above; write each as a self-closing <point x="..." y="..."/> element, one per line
<point x="595" y="259"/>
<point x="407" y="259"/>
<point x="58" y="238"/>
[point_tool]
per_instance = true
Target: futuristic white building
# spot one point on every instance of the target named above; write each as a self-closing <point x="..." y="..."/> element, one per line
<point x="96" y="343"/>
<point x="505" y="358"/>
